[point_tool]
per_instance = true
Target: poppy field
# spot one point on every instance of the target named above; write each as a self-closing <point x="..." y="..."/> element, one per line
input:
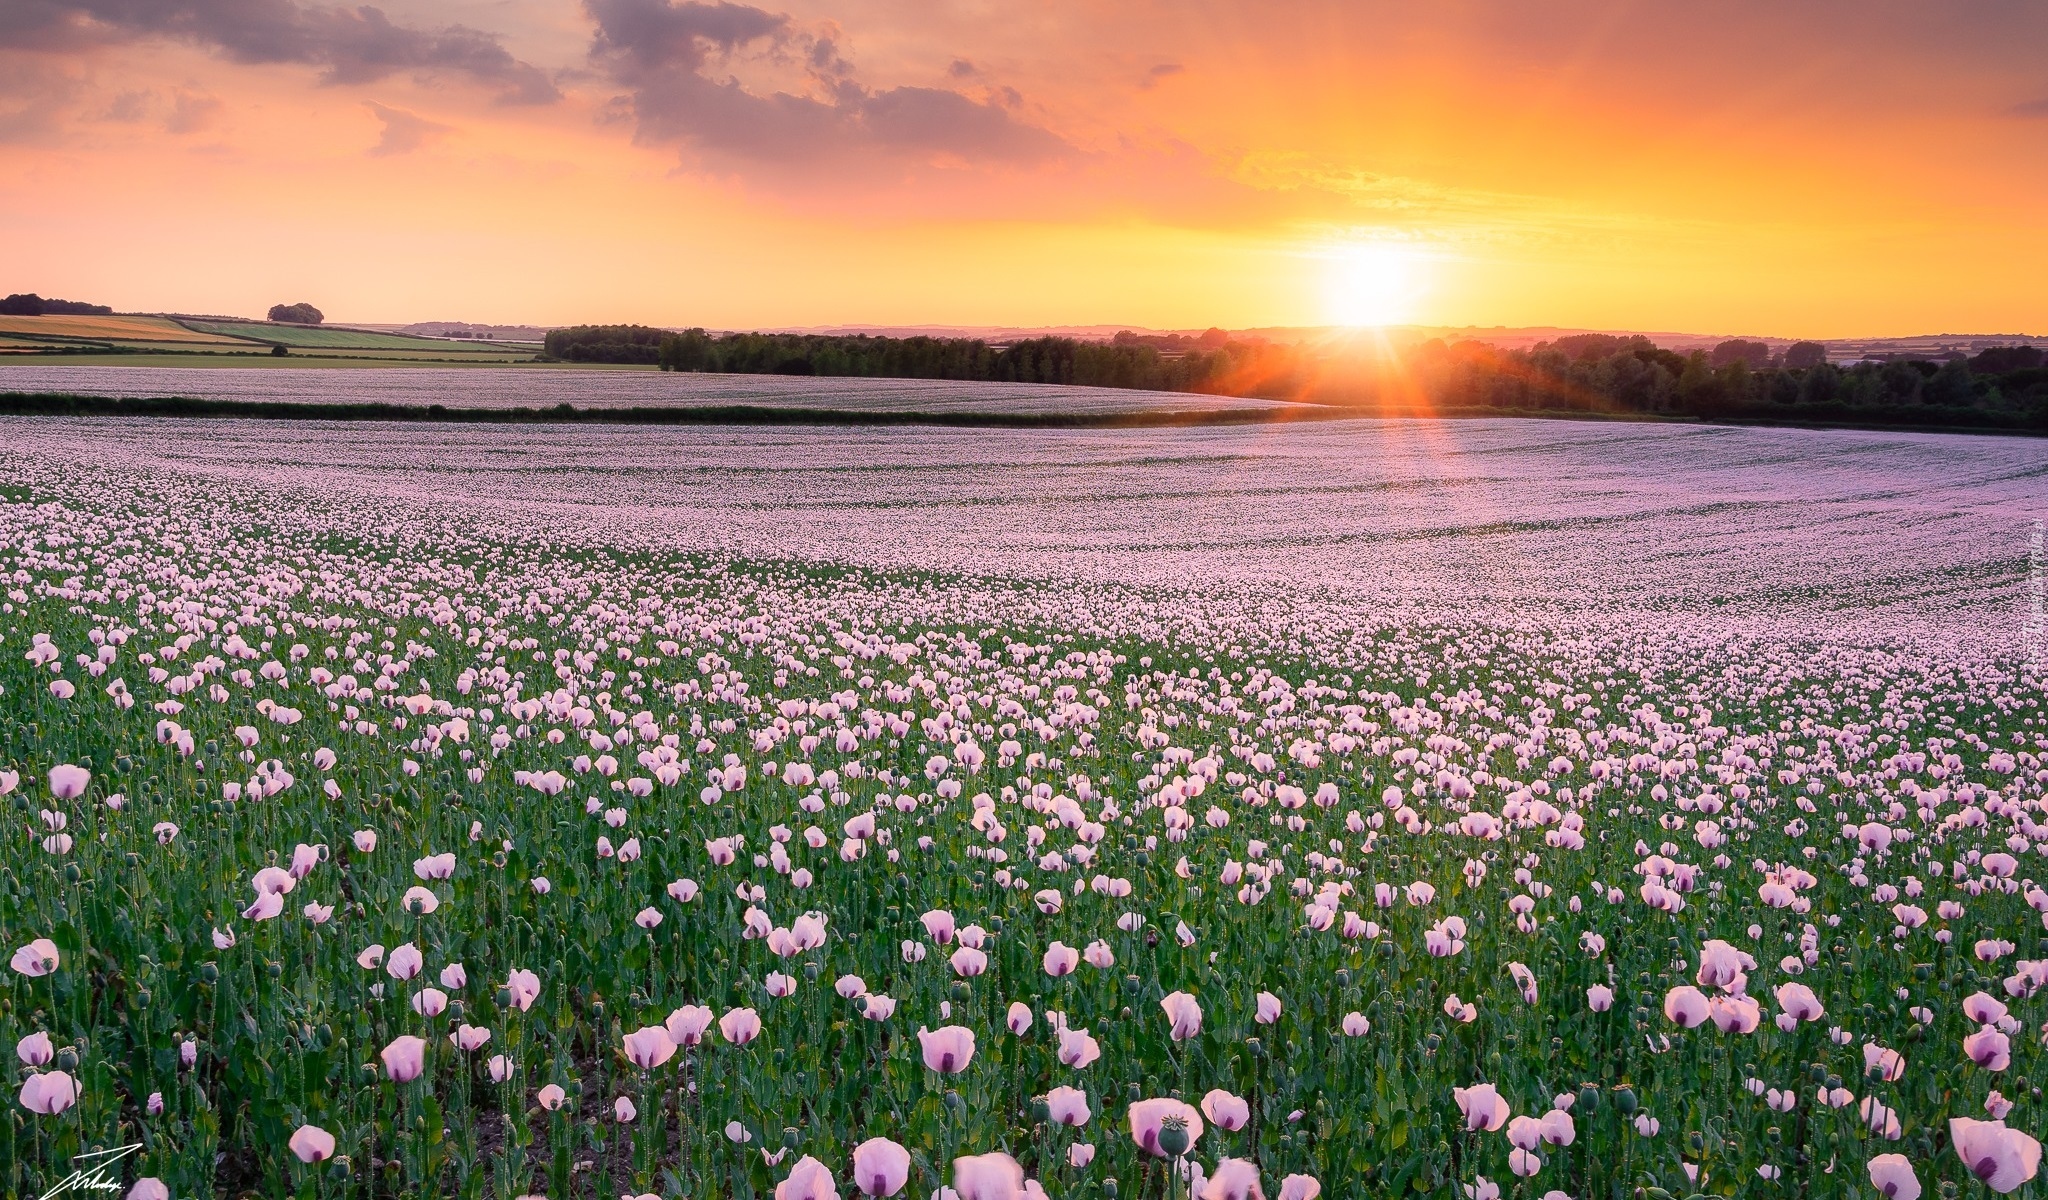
<point x="1516" y="810"/>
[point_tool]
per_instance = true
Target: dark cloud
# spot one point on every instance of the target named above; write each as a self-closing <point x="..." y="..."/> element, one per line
<point x="351" y="45"/>
<point x="404" y="132"/>
<point x="2032" y="108"/>
<point x="673" y="59"/>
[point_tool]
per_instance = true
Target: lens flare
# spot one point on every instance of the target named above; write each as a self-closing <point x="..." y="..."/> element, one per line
<point x="1371" y="284"/>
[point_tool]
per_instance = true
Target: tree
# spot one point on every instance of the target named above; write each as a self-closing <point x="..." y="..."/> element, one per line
<point x="1801" y="355"/>
<point x="22" y="304"/>
<point x="1754" y="355"/>
<point x="1950" y="386"/>
<point x="301" y="313"/>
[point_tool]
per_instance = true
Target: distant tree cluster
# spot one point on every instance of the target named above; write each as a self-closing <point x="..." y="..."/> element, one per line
<point x="28" y="304"/>
<point x="301" y="313"/>
<point x="633" y="344"/>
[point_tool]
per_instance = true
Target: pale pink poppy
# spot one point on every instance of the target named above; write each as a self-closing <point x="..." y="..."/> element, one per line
<point x="686" y="1025"/>
<point x="35" y="1050"/>
<point x="2001" y="1158"/>
<point x="311" y="1144"/>
<point x="649" y="1047"/>
<point x="1268" y="1009"/>
<point x="880" y="1167"/>
<point x="1989" y="1048"/>
<point x="1185" y="1013"/>
<point x="1888" y="1065"/>
<point x="1482" y="1106"/>
<point x="1984" y="1009"/>
<point x="49" y="1093"/>
<point x="68" y="782"/>
<point x="1078" y="1048"/>
<point x="267" y="905"/>
<point x="1068" y="1106"/>
<point x="947" y="1049"/>
<point x="39" y="957"/>
<point x="1893" y="1177"/>
<point x="1233" y="1179"/>
<point x="1735" y="1014"/>
<point x="405" y="962"/>
<point x="1019" y="1018"/>
<point x="740" y="1026"/>
<point x="1226" y="1110"/>
<point x="1300" y="1187"/>
<point x="1799" y="1002"/>
<point x="808" y="1180"/>
<point x="1686" y="1006"/>
<point x="988" y="1177"/>
<point x="522" y="989"/>
<point x="1147" y="1116"/>
<point x="404" y="1058"/>
<point x="1061" y="959"/>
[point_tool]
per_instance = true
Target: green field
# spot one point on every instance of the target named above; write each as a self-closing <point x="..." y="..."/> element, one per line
<point x="344" y="339"/>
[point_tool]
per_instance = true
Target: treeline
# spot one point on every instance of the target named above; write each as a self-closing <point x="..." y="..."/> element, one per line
<point x="1034" y="360"/>
<point x="28" y="304"/>
<point x="2005" y="387"/>
<point x="1606" y="374"/>
<point x="638" y="345"/>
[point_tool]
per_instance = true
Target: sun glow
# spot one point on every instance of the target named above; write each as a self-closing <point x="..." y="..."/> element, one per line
<point x="1370" y="284"/>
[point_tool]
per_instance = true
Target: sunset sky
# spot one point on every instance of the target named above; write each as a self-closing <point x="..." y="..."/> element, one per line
<point x="1798" y="168"/>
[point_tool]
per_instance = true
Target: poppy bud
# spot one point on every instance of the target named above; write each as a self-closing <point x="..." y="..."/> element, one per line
<point x="1173" y="1137"/>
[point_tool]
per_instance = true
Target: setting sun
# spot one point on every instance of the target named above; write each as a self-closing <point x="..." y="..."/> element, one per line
<point x="1370" y="285"/>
